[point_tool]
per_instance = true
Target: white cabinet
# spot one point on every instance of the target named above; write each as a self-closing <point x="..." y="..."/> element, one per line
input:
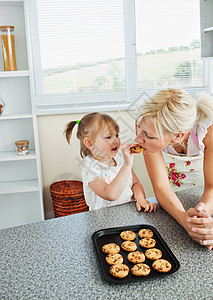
<point x="206" y="25"/>
<point x="20" y="176"/>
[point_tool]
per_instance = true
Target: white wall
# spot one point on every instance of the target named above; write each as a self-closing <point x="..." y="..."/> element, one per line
<point x="61" y="161"/>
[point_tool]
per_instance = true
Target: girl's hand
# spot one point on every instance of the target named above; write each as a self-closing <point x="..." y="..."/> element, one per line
<point x="143" y="203"/>
<point x="128" y="156"/>
<point x="200" y="225"/>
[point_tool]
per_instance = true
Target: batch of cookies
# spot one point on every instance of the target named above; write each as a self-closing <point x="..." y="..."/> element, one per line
<point x="115" y="259"/>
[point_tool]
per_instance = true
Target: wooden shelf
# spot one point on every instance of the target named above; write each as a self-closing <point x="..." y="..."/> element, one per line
<point x="7" y="74"/>
<point x="14" y="187"/>
<point x="12" y="156"/>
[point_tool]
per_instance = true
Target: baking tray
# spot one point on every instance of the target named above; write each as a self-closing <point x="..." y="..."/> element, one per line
<point x="112" y="235"/>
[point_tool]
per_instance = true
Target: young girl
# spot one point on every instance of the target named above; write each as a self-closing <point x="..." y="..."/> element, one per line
<point x="108" y="178"/>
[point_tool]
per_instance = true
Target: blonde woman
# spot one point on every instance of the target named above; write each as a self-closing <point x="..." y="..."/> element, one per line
<point x="176" y="132"/>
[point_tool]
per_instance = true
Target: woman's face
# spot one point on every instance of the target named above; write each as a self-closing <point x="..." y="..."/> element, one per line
<point x="149" y="138"/>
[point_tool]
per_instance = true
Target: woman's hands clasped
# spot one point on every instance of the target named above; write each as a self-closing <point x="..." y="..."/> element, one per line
<point x="199" y="225"/>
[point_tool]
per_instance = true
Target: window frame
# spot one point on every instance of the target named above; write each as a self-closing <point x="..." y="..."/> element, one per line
<point x="110" y="101"/>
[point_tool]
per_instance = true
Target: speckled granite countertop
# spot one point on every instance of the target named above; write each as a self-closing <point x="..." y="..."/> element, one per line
<point x="56" y="259"/>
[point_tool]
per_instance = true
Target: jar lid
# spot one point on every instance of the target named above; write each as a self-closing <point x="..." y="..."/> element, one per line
<point x="4" y="28"/>
<point x="22" y="143"/>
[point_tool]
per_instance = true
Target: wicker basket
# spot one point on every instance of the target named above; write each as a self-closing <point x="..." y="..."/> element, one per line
<point x="68" y="197"/>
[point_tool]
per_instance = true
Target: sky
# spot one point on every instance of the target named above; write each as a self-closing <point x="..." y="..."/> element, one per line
<point x="89" y="30"/>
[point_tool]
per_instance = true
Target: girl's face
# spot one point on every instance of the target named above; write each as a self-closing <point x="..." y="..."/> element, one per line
<point x="148" y="137"/>
<point x="106" y="144"/>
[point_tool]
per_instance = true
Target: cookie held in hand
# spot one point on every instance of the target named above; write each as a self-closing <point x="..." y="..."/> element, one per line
<point x="136" y="149"/>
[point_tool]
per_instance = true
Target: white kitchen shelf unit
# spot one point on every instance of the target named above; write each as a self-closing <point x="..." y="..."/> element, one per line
<point x="21" y="199"/>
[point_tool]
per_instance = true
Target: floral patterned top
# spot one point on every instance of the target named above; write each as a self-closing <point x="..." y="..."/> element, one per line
<point x="186" y="170"/>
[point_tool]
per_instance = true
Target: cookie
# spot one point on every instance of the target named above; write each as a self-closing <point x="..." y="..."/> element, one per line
<point x="153" y="253"/>
<point x="119" y="270"/>
<point x="147" y="243"/>
<point x="136" y="149"/>
<point x="113" y="259"/>
<point x="128" y="235"/>
<point x="111" y="248"/>
<point x="161" y="265"/>
<point x="145" y="233"/>
<point x="129" y="246"/>
<point x="136" y="257"/>
<point x="140" y="270"/>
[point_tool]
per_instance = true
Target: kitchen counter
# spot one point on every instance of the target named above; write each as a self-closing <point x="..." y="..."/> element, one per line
<point x="56" y="259"/>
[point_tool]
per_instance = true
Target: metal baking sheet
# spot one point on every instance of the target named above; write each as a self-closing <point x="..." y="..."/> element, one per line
<point x="112" y="235"/>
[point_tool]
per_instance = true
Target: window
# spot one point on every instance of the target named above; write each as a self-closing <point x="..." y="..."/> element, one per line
<point x="106" y="53"/>
<point x="168" y="43"/>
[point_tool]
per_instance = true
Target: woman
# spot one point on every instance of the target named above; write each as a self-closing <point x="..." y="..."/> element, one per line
<point x="176" y="132"/>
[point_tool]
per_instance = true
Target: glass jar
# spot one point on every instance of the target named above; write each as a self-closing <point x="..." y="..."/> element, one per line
<point x="8" y="47"/>
<point x="2" y="105"/>
<point x="22" y="147"/>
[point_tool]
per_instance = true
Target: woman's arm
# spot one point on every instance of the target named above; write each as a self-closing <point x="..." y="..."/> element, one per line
<point x="139" y="195"/>
<point x="207" y="196"/>
<point x="202" y="227"/>
<point x="169" y="201"/>
<point x="166" y="197"/>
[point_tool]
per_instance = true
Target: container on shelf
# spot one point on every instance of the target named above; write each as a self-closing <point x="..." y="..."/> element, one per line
<point x="8" y="47"/>
<point x="2" y="105"/>
<point x="22" y="147"/>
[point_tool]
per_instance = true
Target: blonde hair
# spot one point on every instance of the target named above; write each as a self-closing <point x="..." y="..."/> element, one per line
<point x="174" y="110"/>
<point x="89" y="126"/>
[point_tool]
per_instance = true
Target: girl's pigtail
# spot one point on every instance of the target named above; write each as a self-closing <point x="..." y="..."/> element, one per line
<point x="204" y="107"/>
<point x="68" y="130"/>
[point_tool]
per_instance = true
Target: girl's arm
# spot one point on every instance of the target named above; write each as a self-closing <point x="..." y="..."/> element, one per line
<point x="113" y="190"/>
<point x="139" y="195"/>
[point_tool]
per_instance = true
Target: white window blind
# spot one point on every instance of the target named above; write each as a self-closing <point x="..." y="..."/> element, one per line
<point x="168" y="43"/>
<point x="81" y="46"/>
<point x="105" y="53"/>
